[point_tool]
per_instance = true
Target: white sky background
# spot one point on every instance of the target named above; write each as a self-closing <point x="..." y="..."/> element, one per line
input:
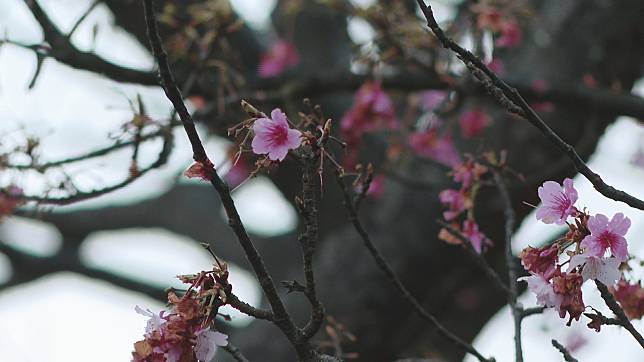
<point x="72" y="317"/>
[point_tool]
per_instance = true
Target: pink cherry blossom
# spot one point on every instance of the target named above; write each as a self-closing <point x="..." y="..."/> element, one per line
<point x="468" y="172"/>
<point x="281" y="56"/>
<point x="207" y="340"/>
<point x="434" y="146"/>
<point x="431" y="99"/>
<point x="606" y="234"/>
<point x="544" y="291"/>
<point x="477" y="238"/>
<point x="510" y="35"/>
<point x="606" y="270"/>
<point x="372" y="110"/>
<point x="557" y="202"/>
<point x="274" y="137"/>
<point x="473" y="123"/>
<point x="455" y="200"/>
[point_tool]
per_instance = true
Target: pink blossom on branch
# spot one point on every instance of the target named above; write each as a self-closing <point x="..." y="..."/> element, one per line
<point x="434" y="146"/>
<point x="606" y="235"/>
<point x="557" y="202"/>
<point x="476" y="237"/>
<point x="372" y="110"/>
<point x="468" y="172"/>
<point x="274" y="137"/>
<point x="281" y="56"/>
<point x="456" y="201"/>
<point x="473" y="123"/>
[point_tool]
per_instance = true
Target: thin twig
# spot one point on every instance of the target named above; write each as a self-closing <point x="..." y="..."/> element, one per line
<point x="479" y="259"/>
<point x="248" y="309"/>
<point x="82" y="18"/>
<point x="89" y="155"/>
<point x="565" y="352"/>
<point x="532" y="311"/>
<point x="391" y="275"/>
<point x="510" y="98"/>
<point x="618" y="311"/>
<point x="517" y="312"/>
<point x="77" y="196"/>
<point x="235" y="353"/>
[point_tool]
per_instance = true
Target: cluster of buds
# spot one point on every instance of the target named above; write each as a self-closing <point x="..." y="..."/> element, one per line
<point x="461" y="202"/>
<point x="183" y="333"/>
<point x="584" y="248"/>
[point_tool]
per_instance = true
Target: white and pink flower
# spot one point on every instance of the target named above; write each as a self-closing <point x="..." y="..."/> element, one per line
<point x="274" y="137"/>
<point x="557" y="202"/>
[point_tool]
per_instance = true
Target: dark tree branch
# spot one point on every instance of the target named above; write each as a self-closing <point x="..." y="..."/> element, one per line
<point x="512" y="100"/>
<point x="478" y="258"/>
<point x="308" y="238"/>
<point x="517" y="312"/>
<point x="619" y="312"/>
<point x="77" y="196"/>
<point x="27" y="267"/>
<point x="235" y="353"/>
<point x="65" y="52"/>
<point x="93" y="154"/>
<point x="565" y="352"/>
<point x="248" y="309"/>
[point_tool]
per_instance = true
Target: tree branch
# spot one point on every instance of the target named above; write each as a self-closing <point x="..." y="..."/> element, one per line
<point x="512" y="100"/>
<point x="65" y="52"/>
<point x="619" y="312"/>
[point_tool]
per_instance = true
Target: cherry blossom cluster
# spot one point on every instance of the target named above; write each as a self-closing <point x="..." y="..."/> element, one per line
<point x="460" y="202"/>
<point x="593" y="248"/>
<point x="184" y="334"/>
